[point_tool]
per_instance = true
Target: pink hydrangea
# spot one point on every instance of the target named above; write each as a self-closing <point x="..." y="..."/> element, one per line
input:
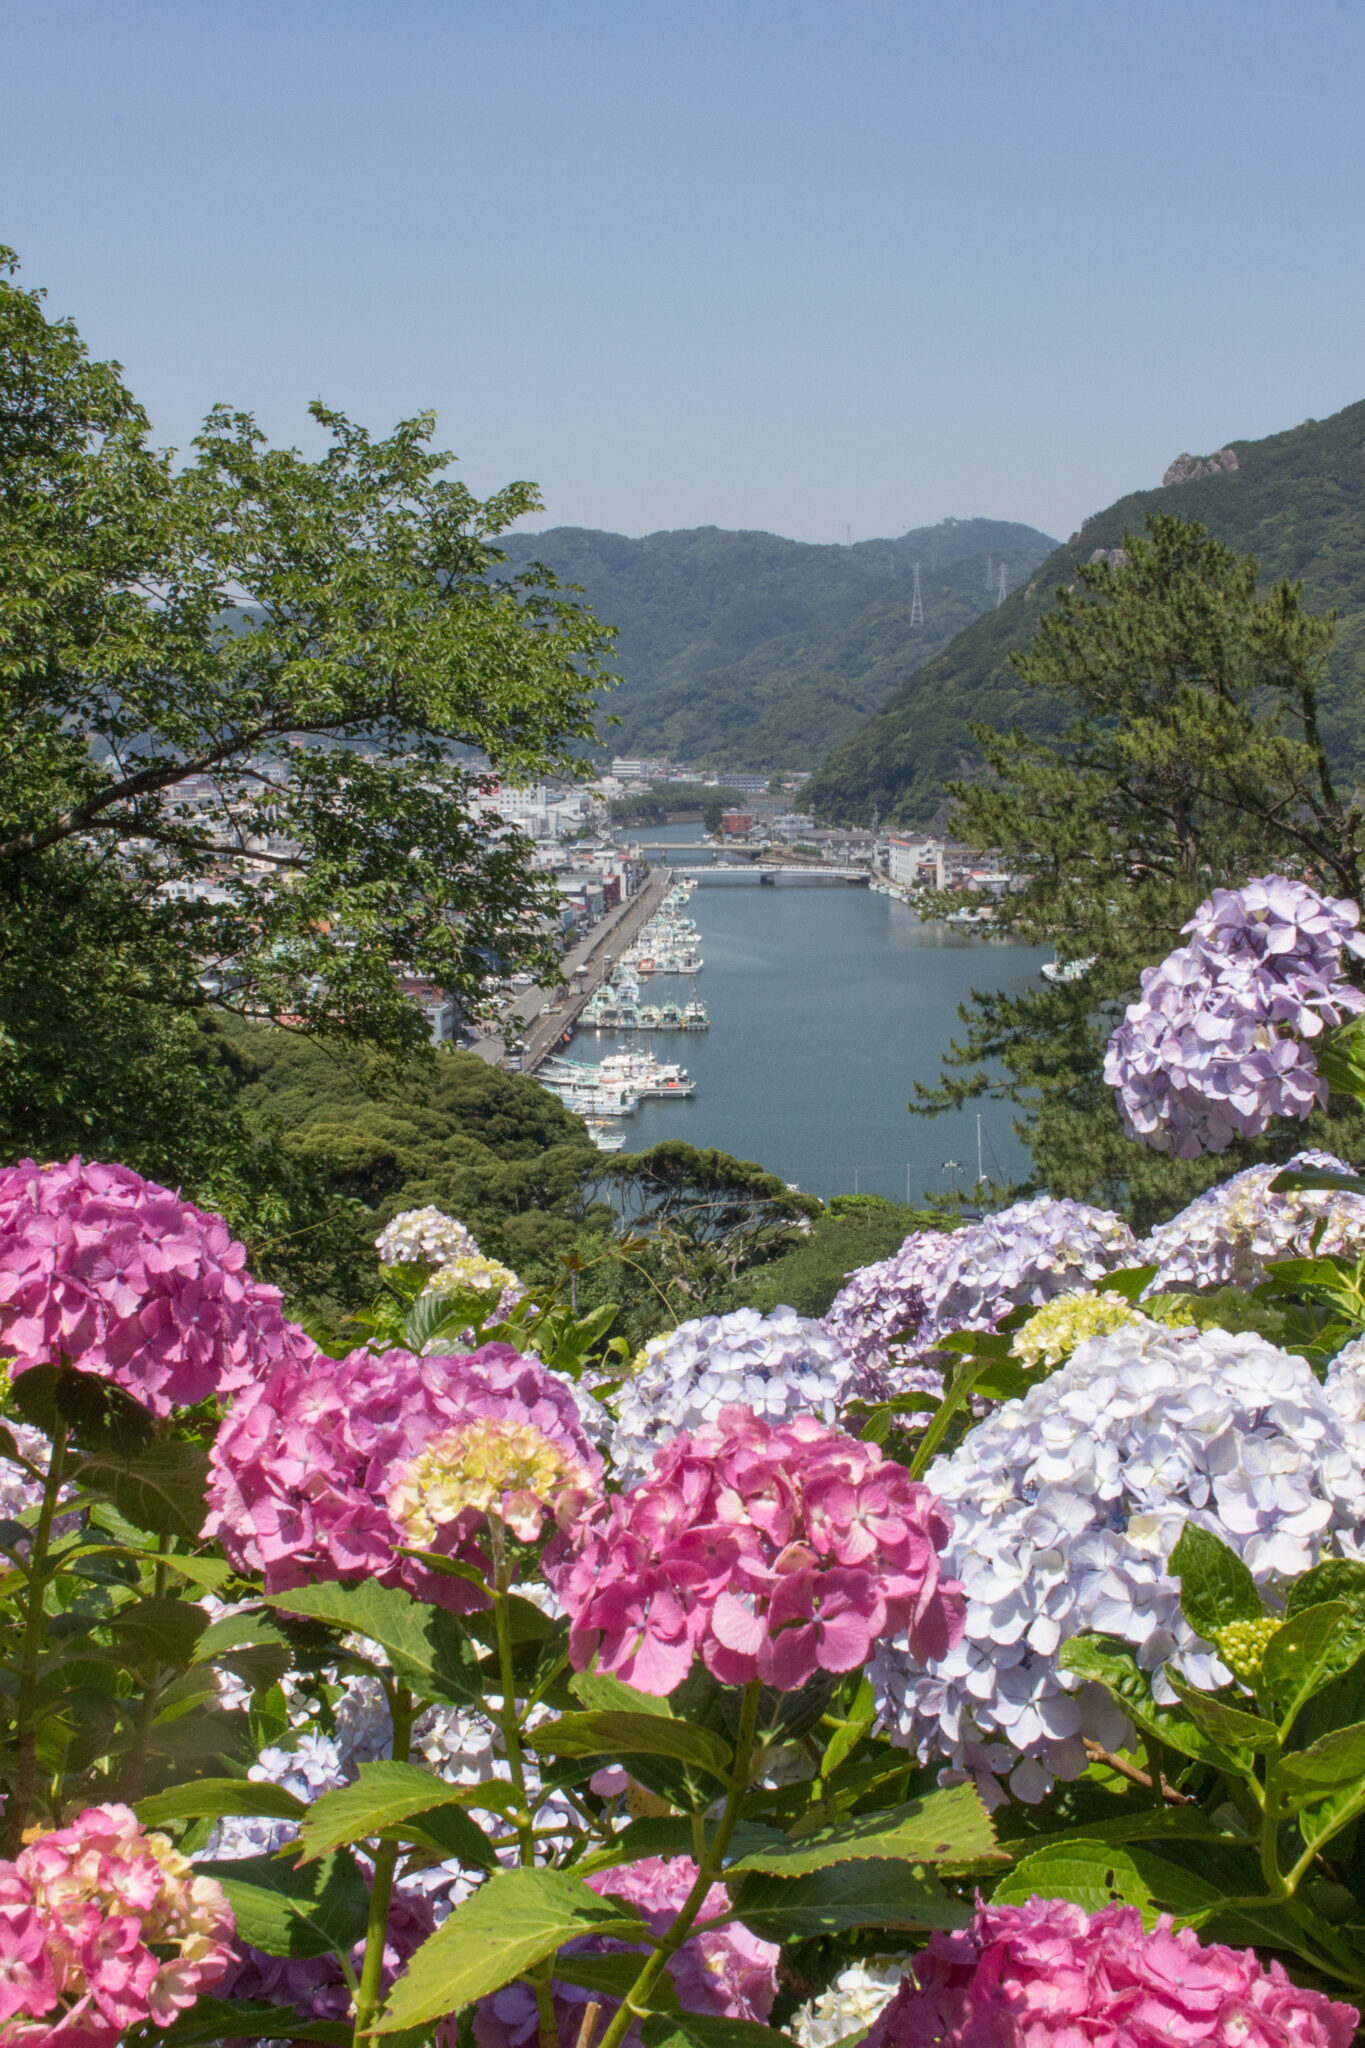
<point x="122" y="1278"/>
<point x="103" y="1927"/>
<point x="1051" y="1975"/>
<point x="771" y="1551"/>
<point x="303" y="1467"/>
<point x="726" y="1972"/>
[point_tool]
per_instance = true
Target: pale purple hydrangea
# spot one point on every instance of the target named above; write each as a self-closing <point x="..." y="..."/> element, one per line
<point x="882" y="1306"/>
<point x="1217" y="1044"/>
<point x="1065" y="1507"/>
<point x="1225" y="1237"/>
<point x="779" y="1365"/>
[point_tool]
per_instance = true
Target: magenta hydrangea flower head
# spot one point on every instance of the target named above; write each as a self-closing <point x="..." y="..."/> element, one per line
<point x="325" y="1475"/>
<point x="1050" y="1975"/>
<point x="1218" y="1043"/>
<point x="726" y="1972"/>
<point x="123" y="1278"/>
<point x="104" y="1927"/>
<point x="773" y="1552"/>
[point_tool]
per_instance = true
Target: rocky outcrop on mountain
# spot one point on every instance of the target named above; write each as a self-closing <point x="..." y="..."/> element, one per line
<point x="1187" y="469"/>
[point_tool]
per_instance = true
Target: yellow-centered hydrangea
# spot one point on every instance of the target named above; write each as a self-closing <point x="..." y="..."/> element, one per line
<point x="1050" y="1337"/>
<point x="471" y="1271"/>
<point x="499" y="1467"/>
<point x="1242" y="1644"/>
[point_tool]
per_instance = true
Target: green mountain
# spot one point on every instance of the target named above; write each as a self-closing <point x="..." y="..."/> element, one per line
<point x="744" y="650"/>
<point x="1295" y="500"/>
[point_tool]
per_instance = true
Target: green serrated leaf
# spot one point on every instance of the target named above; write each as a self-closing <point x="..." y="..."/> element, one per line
<point x="99" y="1415"/>
<point x="704" y="2030"/>
<point x="1131" y="1282"/>
<point x="1216" y="1587"/>
<point x="1336" y="1578"/>
<point x="383" y="1796"/>
<point x="1313" y="1646"/>
<point x="614" y="1976"/>
<point x="830" y="1901"/>
<point x="319" y="1910"/>
<point x="1333" y="1760"/>
<point x="215" y="1798"/>
<point x="614" y="1733"/>
<point x="1226" y="1724"/>
<point x="1097" y="1874"/>
<point x="1112" y="1664"/>
<point x="426" y="1646"/>
<point x="601" y="1693"/>
<point x="210" y="1574"/>
<point x="161" y="1488"/>
<point x="211" y="2020"/>
<point x="949" y="1827"/>
<point x="508" y="1926"/>
<point x="160" y="1632"/>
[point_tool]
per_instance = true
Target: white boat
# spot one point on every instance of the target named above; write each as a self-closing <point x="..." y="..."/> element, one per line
<point x="695" y="1018"/>
<point x="1068" y="970"/>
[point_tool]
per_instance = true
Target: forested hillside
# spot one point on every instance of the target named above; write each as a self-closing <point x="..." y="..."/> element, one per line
<point x="1296" y="500"/>
<point x="744" y="650"/>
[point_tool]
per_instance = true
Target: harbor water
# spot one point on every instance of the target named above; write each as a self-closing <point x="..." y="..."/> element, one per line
<point x="827" y="1003"/>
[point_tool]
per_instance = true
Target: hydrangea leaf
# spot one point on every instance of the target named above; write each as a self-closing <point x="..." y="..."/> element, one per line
<point x="1310" y="1648"/>
<point x="211" y="2020"/>
<point x="215" y="1798"/>
<point x="508" y="1926"/>
<point x="610" y="1732"/>
<point x="160" y="1488"/>
<point x="1216" y="1587"/>
<point x="317" y="1911"/>
<point x="673" y="1836"/>
<point x="950" y="1827"/>
<point x="1336" y="1578"/>
<point x="707" y="2030"/>
<point x="1229" y="1725"/>
<point x="384" y="1796"/>
<point x="159" y="1632"/>
<point x="426" y="1646"/>
<point x="875" y="1893"/>
<point x="100" y="1416"/>
<point x="614" y="1975"/>
<point x="1097" y="1874"/>
<point x="601" y="1691"/>
<point x="1112" y="1664"/>
<point x="1152" y="1823"/>
<point x="1333" y="1760"/>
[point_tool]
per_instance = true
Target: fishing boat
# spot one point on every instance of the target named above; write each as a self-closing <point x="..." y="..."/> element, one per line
<point x="1067" y="970"/>
<point x="671" y="1017"/>
<point x="695" y="1018"/>
<point x="649" y="1016"/>
<point x="604" y="1135"/>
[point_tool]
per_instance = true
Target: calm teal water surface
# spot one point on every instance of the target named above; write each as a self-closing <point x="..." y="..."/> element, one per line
<point x="827" y="1003"/>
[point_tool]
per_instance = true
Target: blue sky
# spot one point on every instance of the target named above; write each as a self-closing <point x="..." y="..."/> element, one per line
<point x="809" y="265"/>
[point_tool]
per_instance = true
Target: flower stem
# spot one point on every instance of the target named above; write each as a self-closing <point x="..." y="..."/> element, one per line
<point x="507" y="1712"/>
<point x="636" y="2002"/>
<point x="130" y="1778"/>
<point x="20" y="1801"/>
<point x="381" y="1887"/>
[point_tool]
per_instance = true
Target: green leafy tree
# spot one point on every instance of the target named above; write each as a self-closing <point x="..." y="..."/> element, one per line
<point x="1193" y="760"/>
<point x="250" y="707"/>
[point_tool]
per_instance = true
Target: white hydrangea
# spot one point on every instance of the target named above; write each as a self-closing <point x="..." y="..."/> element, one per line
<point x="1066" y="1506"/>
<point x="1226" y="1235"/>
<point x="18" y="1492"/>
<point x="858" y="1996"/>
<point x="427" y="1234"/>
<point x="781" y="1365"/>
<point x="472" y="1271"/>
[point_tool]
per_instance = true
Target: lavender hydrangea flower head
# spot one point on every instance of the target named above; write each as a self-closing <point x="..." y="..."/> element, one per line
<point x="1217" y="1045"/>
<point x="1027" y="1253"/>
<point x="885" y="1304"/>
<point x="1225" y="1236"/>
<point x="1067" y="1504"/>
<point x="780" y="1365"/>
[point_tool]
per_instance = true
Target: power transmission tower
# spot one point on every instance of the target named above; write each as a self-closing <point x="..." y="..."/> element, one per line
<point x="1003" y="593"/>
<point x="917" y="602"/>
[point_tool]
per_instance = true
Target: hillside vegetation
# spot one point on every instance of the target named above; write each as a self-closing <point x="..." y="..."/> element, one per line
<point x="744" y="650"/>
<point x="1296" y="500"/>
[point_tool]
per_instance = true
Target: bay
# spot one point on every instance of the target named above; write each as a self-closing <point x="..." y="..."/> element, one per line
<point x="827" y="1003"/>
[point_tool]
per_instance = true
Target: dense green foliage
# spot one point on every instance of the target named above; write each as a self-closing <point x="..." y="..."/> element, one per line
<point x="744" y="650"/>
<point x="1296" y="501"/>
<point x="668" y="797"/>
<point x="1191" y="759"/>
<point x="852" y="1231"/>
<point x="323" y="644"/>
